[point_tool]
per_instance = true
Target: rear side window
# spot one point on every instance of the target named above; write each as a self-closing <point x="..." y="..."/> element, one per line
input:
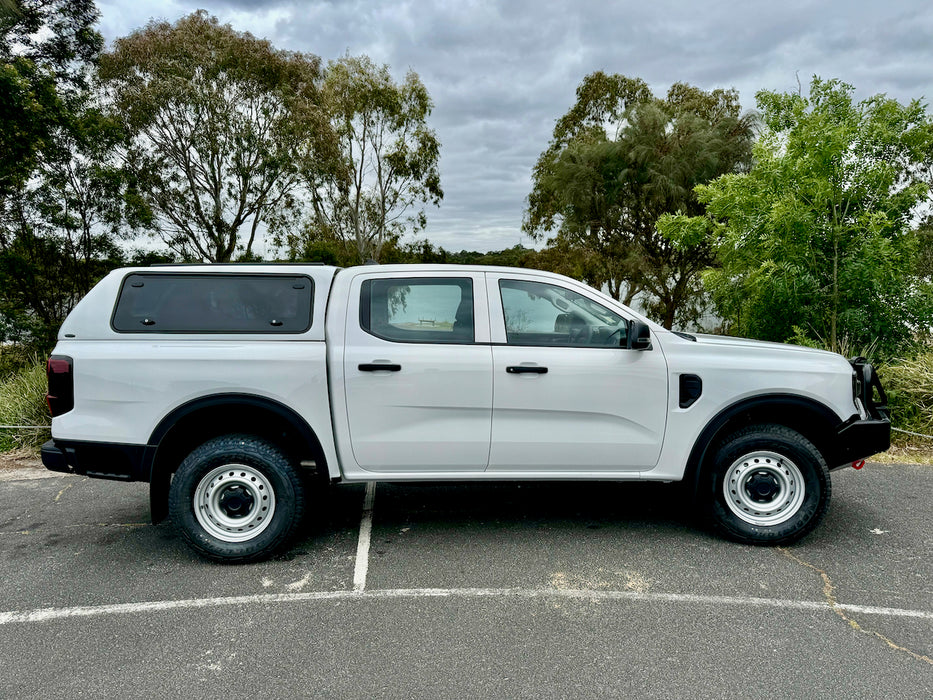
<point x="215" y="303"/>
<point x="418" y="309"/>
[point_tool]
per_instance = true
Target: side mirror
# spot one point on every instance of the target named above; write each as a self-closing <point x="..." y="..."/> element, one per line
<point x="639" y="336"/>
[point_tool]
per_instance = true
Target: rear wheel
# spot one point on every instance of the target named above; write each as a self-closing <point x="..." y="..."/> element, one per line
<point x="768" y="484"/>
<point x="237" y="498"/>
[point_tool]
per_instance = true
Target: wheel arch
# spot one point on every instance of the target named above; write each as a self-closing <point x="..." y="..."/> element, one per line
<point x="812" y="419"/>
<point x="201" y="419"/>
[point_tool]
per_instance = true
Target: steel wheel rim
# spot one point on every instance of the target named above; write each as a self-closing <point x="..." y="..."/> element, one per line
<point x="234" y="502"/>
<point x="764" y="488"/>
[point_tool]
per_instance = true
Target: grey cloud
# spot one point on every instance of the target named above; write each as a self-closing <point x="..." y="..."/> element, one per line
<point x="501" y="73"/>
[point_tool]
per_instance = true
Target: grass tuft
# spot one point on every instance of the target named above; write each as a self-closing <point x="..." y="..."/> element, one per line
<point x="909" y="385"/>
<point x="22" y="402"/>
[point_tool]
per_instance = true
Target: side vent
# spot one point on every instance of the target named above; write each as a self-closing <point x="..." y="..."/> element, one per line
<point x="691" y="388"/>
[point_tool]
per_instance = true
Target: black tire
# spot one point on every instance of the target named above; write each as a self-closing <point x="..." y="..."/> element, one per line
<point x="251" y="499"/>
<point x="778" y="486"/>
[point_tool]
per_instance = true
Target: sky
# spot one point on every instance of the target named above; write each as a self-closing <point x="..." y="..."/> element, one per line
<point x="501" y="73"/>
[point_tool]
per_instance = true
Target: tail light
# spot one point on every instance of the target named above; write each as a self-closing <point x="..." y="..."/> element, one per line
<point x="61" y="396"/>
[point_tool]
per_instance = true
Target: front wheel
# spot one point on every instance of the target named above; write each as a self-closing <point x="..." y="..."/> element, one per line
<point x="237" y="498"/>
<point x="768" y="485"/>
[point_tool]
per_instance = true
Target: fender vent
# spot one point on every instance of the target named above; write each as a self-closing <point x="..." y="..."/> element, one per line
<point x="691" y="388"/>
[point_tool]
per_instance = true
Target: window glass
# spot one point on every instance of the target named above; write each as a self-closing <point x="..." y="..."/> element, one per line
<point x="213" y="303"/>
<point x="418" y="310"/>
<point x="545" y="314"/>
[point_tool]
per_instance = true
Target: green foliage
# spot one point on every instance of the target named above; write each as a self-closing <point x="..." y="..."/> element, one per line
<point x="909" y="386"/>
<point x="22" y="402"/>
<point x="388" y="167"/>
<point x="45" y="46"/>
<point x="13" y="357"/>
<point x="619" y="160"/>
<point x="221" y="126"/>
<point x="58" y="229"/>
<point x="321" y="250"/>
<point x="817" y="235"/>
<point x="61" y="197"/>
<point x="923" y="268"/>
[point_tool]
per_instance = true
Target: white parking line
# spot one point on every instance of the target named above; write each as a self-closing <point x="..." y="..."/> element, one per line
<point x="362" y="545"/>
<point x="48" y="614"/>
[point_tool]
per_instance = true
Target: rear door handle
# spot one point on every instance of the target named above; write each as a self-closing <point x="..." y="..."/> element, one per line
<point x="526" y="369"/>
<point x="379" y="367"/>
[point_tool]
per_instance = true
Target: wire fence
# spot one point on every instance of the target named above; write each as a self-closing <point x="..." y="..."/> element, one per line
<point x="910" y="432"/>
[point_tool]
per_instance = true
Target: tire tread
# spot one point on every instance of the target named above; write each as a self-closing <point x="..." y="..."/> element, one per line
<point x="765" y="435"/>
<point x="256" y="451"/>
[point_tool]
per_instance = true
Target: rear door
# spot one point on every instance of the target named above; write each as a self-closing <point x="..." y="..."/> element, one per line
<point x="568" y="398"/>
<point x="418" y="372"/>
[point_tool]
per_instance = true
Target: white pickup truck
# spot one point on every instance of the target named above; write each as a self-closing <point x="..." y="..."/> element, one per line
<point x="239" y="391"/>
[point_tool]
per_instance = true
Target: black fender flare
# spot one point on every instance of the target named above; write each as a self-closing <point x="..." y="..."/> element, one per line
<point x="762" y="404"/>
<point x="215" y="400"/>
<point x="159" y="480"/>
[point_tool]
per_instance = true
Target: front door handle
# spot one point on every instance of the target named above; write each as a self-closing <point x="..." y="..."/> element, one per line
<point x="380" y="367"/>
<point x="526" y="369"/>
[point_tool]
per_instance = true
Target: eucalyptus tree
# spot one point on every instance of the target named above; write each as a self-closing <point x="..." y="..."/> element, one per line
<point x="61" y="198"/>
<point x="46" y="47"/>
<point x="221" y="126"/>
<point x="388" y="160"/>
<point x="618" y="160"/>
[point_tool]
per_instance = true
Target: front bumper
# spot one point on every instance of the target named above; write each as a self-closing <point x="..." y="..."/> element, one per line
<point x="859" y="438"/>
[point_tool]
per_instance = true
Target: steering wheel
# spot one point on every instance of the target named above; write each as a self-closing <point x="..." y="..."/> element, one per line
<point x="618" y="330"/>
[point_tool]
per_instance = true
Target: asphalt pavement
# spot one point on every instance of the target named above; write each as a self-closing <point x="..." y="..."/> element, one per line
<point x="531" y="590"/>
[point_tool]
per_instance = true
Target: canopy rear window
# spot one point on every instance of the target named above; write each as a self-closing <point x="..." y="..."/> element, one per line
<point x="213" y="303"/>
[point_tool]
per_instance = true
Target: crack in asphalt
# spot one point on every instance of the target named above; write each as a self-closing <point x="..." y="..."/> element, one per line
<point x="829" y="592"/>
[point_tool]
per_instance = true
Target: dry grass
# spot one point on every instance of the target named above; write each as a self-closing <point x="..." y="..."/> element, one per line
<point x="909" y="385"/>
<point x="22" y="402"/>
<point x="22" y="458"/>
<point x="915" y="451"/>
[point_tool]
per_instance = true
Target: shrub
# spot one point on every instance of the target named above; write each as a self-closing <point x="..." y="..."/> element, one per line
<point x="22" y="402"/>
<point x="14" y="357"/>
<point x="909" y="385"/>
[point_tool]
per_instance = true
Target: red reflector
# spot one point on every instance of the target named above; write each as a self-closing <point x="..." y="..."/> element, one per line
<point x="859" y="464"/>
<point x="56" y="366"/>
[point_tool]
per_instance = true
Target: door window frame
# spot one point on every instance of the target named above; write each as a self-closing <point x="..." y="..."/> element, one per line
<point x="498" y="331"/>
<point x="356" y="332"/>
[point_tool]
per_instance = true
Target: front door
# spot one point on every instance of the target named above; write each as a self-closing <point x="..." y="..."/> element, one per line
<point x="568" y="398"/>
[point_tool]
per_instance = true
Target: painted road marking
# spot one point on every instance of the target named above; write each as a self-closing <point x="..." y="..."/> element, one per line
<point x="49" y="614"/>
<point x="362" y="545"/>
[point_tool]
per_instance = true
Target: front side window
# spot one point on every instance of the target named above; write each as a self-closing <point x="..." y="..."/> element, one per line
<point x="418" y="310"/>
<point x="545" y="314"/>
<point x="213" y="303"/>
